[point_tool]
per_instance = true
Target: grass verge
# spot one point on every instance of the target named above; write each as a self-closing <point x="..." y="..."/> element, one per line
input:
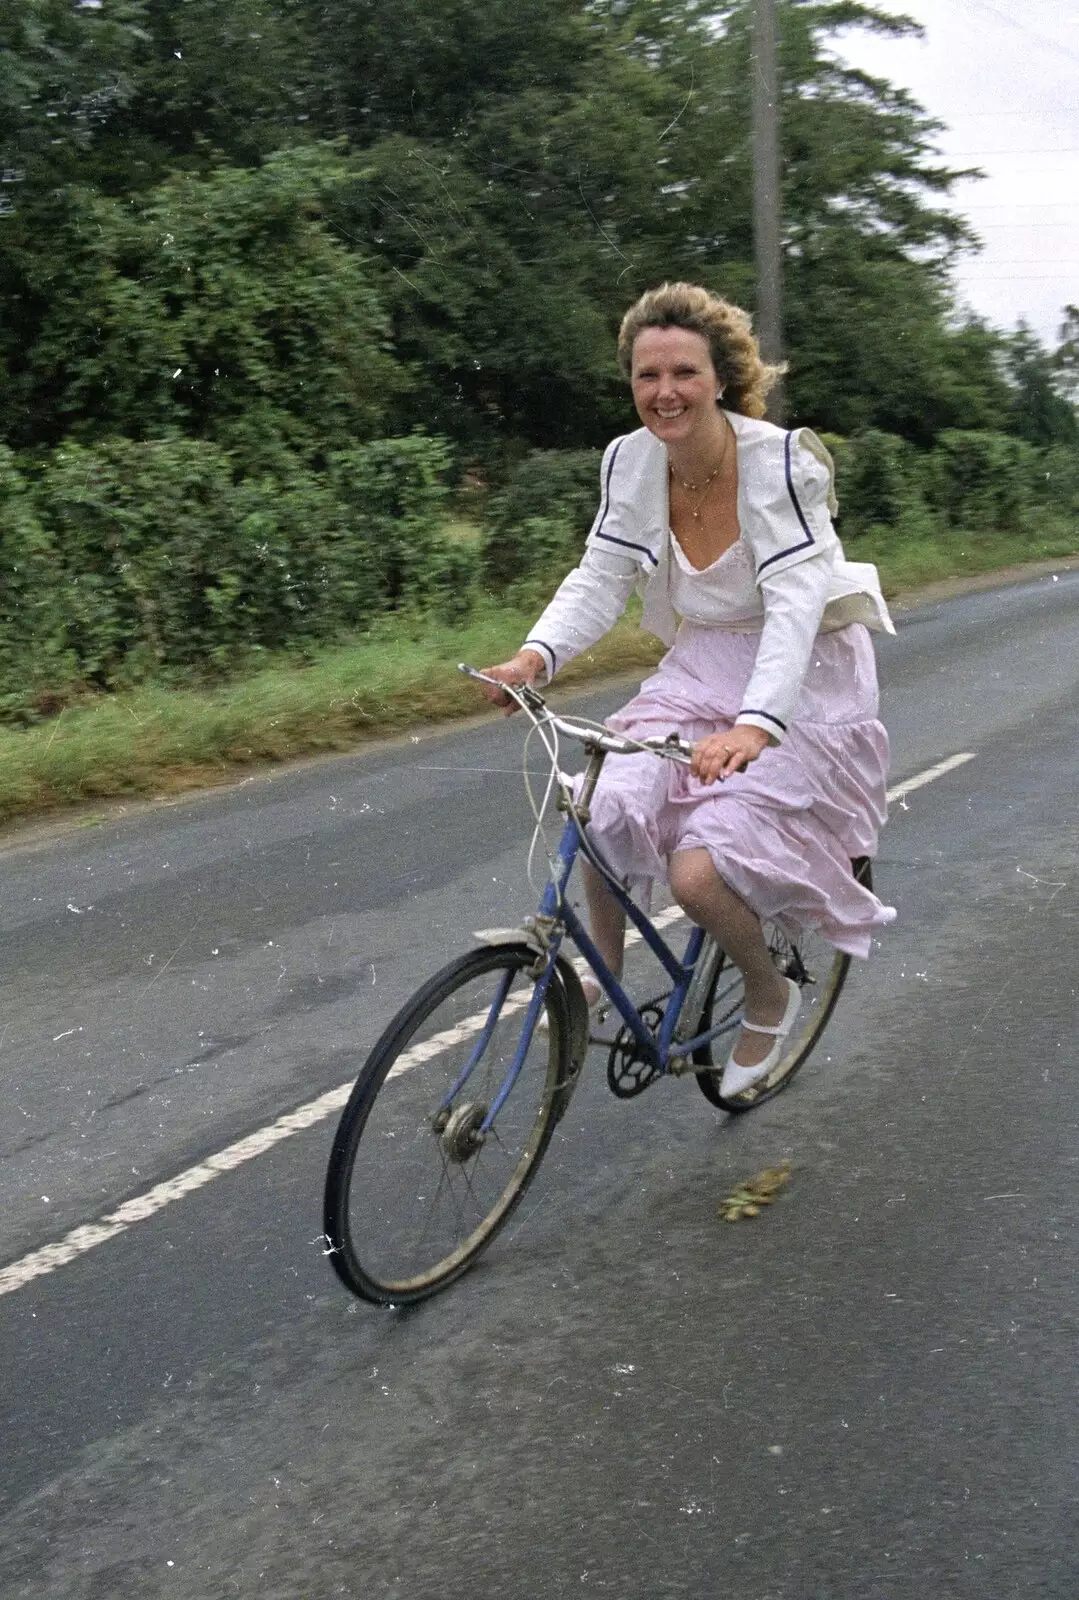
<point x="163" y="741"/>
<point x="908" y="562"/>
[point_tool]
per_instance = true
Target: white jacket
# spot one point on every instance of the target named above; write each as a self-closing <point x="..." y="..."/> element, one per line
<point x="786" y="499"/>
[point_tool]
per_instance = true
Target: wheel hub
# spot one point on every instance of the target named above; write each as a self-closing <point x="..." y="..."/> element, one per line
<point x="459" y="1131"/>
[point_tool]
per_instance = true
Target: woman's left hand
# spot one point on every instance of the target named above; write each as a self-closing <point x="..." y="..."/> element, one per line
<point x="721" y="754"/>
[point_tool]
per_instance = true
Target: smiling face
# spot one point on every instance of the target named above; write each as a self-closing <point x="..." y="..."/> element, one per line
<point x="674" y="384"/>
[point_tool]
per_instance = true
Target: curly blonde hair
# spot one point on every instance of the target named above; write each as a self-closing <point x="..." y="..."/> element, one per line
<point x="725" y="328"/>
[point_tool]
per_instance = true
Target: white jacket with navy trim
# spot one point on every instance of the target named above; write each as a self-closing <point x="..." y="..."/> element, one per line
<point x="786" y="500"/>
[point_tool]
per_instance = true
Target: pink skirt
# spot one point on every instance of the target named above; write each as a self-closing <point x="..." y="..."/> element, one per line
<point x="782" y="833"/>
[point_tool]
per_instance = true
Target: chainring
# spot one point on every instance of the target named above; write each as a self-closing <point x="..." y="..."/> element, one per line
<point x="628" y="1073"/>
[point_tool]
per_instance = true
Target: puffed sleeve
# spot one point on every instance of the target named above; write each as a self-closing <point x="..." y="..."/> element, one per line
<point x="816" y="470"/>
<point x="795" y="503"/>
<point x="795" y="581"/>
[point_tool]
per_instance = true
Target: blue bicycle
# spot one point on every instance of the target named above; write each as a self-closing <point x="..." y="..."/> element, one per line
<point x="456" y="1104"/>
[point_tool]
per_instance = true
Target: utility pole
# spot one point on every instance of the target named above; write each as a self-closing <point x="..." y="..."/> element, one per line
<point x="767" y="192"/>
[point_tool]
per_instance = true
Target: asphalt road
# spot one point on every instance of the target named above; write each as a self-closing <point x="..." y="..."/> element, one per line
<point x="868" y="1392"/>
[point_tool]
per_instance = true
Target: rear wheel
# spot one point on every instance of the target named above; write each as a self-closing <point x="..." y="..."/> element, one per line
<point x="416" y="1186"/>
<point x="817" y="967"/>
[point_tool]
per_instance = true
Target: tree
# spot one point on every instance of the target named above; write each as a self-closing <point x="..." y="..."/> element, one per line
<point x="217" y="305"/>
<point x="66" y="66"/>
<point x="586" y="153"/>
<point x="508" y="179"/>
<point x="1065" y="358"/>
<point x="1040" y="412"/>
<point x="217" y="83"/>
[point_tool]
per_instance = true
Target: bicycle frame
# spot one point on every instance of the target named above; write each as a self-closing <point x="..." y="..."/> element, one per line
<point x="556" y="920"/>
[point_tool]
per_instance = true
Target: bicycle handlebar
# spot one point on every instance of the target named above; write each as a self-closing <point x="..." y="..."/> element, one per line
<point x="671" y="748"/>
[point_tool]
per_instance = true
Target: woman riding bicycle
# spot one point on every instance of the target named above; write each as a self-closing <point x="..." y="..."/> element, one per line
<point x="722" y="523"/>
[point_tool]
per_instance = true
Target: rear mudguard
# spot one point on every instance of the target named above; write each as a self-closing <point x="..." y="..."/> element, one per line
<point x="576" y="1003"/>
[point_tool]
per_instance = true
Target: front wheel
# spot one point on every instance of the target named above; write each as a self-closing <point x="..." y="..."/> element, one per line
<point x="817" y="967"/>
<point x="417" y="1185"/>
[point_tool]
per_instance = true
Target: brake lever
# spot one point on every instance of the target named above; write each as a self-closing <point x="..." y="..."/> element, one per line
<point x="531" y="697"/>
<point x="522" y="692"/>
<point x="679" y="746"/>
<point x="480" y="677"/>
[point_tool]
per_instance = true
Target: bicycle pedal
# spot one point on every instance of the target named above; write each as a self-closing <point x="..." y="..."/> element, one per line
<point x="683" y="1067"/>
<point x="604" y="1024"/>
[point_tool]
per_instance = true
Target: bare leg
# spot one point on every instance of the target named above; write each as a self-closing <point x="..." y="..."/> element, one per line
<point x="715" y="907"/>
<point x="607" y="921"/>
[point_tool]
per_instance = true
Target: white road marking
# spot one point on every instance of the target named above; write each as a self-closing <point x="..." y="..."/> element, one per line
<point x="929" y="775"/>
<point x="39" y="1263"/>
<point x="80" y="1240"/>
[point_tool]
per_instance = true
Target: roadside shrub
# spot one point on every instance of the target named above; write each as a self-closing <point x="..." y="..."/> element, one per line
<point x="970" y="482"/>
<point x="1057" y="484"/>
<point x="130" y="559"/>
<point x="143" y="535"/>
<point x="294" y="573"/>
<point x="34" y="656"/>
<point x="556" y="493"/>
<point x="983" y="482"/>
<point x="449" y="583"/>
<point x="545" y="549"/>
<point x="209" y="306"/>
<point x="877" y="479"/>
<point x="395" y="491"/>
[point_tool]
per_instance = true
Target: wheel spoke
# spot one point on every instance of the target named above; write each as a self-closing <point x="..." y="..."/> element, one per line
<point x="820" y="971"/>
<point x="410" y="1197"/>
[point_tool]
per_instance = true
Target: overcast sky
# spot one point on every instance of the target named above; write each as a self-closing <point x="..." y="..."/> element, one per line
<point x="1004" y="76"/>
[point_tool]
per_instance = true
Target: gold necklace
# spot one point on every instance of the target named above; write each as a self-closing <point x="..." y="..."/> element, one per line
<point x="699" y="489"/>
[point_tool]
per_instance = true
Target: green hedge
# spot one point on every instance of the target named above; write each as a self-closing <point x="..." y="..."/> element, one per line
<point x="128" y="560"/>
<point x="970" y="482"/>
<point x="538" y="519"/>
<point x="132" y="560"/>
<point x="36" y="658"/>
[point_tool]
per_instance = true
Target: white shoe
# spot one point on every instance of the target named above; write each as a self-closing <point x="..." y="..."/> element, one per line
<point x="604" y="1018"/>
<point x="737" y="1079"/>
<point x="604" y="1022"/>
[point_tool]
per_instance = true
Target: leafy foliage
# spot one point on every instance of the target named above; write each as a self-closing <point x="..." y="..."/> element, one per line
<point x="65" y="69"/>
<point x="880" y="477"/>
<point x="1065" y="359"/>
<point x="1041" y="413"/>
<point x="982" y="481"/>
<point x="273" y="270"/>
<point x="971" y="482"/>
<point x="537" y="522"/>
<point x="130" y="559"/>
<point x="217" y="306"/>
<point x="34" y="657"/>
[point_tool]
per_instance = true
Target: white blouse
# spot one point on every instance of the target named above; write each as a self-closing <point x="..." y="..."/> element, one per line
<point x="786" y="610"/>
<point x="723" y="595"/>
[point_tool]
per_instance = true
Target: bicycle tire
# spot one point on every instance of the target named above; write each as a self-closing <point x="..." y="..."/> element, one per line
<point x="403" y="1150"/>
<point x="811" y="962"/>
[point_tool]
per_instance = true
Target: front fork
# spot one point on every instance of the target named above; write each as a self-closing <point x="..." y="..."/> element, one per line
<point x="545" y="933"/>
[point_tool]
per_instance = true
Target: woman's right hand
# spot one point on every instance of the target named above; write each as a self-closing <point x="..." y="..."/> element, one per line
<point x="527" y="666"/>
